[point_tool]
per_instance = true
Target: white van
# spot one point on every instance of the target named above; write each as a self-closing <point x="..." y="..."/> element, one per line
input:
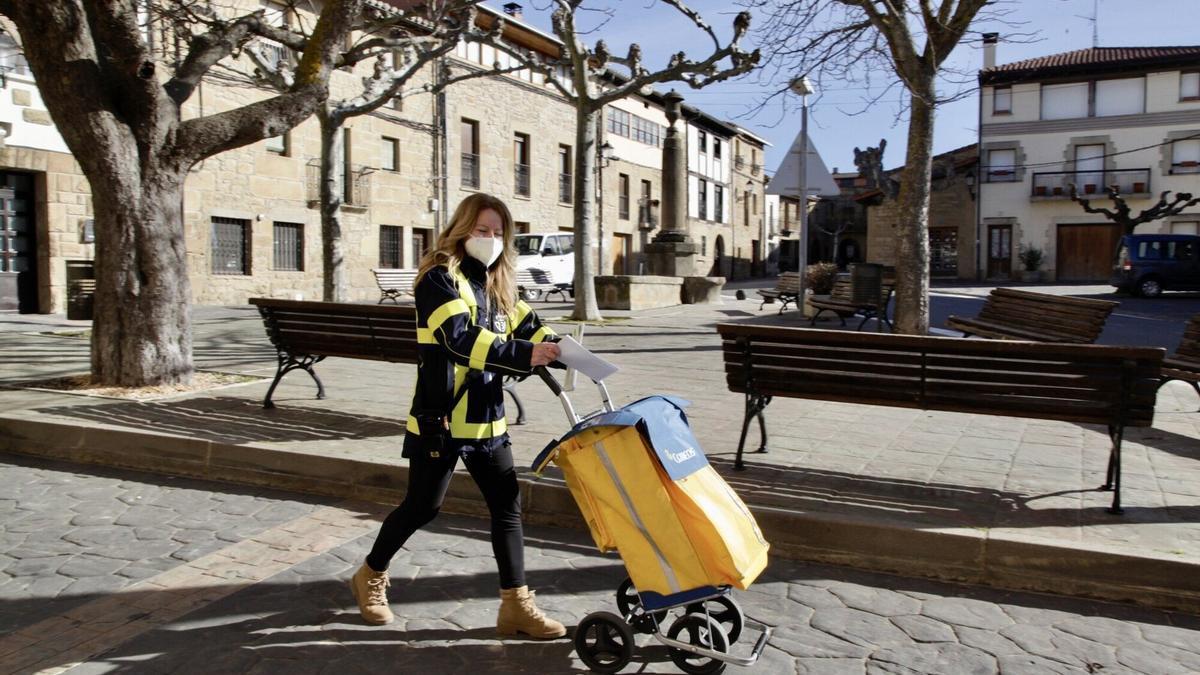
<point x="553" y="254"/>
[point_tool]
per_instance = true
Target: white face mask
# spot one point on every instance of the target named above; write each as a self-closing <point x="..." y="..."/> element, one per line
<point x="485" y="249"/>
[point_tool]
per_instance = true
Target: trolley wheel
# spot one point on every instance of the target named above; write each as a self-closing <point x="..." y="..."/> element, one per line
<point x="726" y="611"/>
<point x="604" y="642"/>
<point x="701" y="631"/>
<point x="628" y="600"/>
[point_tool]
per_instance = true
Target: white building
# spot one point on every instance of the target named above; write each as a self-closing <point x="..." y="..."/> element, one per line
<point x="1124" y="116"/>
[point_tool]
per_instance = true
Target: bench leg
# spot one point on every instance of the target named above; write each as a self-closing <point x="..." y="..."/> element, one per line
<point x="754" y="407"/>
<point x="1113" y="474"/>
<point x="286" y="365"/>
<point x="510" y="386"/>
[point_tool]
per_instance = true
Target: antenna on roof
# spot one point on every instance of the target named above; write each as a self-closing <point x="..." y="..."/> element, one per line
<point x="1094" y="18"/>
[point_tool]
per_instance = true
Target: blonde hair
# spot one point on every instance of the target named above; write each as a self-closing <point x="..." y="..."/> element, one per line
<point x="450" y="249"/>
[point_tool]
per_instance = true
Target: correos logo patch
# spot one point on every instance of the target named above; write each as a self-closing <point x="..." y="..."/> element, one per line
<point x="683" y="455"/>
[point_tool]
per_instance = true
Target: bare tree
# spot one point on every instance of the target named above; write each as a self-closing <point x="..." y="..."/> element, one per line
<point x="840" y="40"/>
<point x="122" y="120"/>
<point x="1122" y="215"/>
<point x="402" y="45"/>
<point x="584" y="91"/>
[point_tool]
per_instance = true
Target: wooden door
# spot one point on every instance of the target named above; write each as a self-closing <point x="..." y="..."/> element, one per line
<point x="999" y="252"/>
<point x="1085" y="252"/>
<point x="622" y="250"/>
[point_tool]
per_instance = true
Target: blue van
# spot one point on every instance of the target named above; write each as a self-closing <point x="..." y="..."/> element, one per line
<point x="1148" y="264"/>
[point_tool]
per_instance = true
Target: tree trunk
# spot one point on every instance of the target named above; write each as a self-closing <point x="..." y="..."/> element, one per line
<point x="585" y="235"/>
<point x="335" y="285"/>
<point x="912" y="230"/>
<point x="141" y="333"/>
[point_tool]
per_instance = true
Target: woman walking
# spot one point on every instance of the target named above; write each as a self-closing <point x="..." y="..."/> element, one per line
<point x="471" y="332"/>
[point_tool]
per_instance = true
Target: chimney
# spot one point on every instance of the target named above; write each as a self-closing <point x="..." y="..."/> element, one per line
<point x="513" y="9"/>
<point x="989" y="49"/>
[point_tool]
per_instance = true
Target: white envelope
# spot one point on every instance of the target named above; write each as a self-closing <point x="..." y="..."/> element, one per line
<point x="575" y="355"/>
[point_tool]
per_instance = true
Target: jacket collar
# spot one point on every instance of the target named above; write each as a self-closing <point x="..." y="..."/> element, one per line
<point x="473" y="270"/>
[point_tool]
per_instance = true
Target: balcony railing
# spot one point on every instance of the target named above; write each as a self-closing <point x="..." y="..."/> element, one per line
<point x="521" y="180"/>
<point x="564" y="187"/>
<point x="739" y="162"/>
<point x="755" y="168"/>
<point x="356" y="185"/>
<point x="470" y="170"/>
<point x="1057" y="184"/>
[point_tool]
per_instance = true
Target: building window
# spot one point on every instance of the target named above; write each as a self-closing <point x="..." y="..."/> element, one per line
<point x="390" y="150"/>
<point x="230" y="246"/>
<point x="1002" y="101"/>
<point x="716" y="148"/>
<point x="618" y="122"/>
<point x="623" y="197"/>
<point x="702" y="142"/>
<point x="1185" y="156"/>
<point x="1002" y="166"/>
<point x="1189" y="86"/>
<point x="389" y="246"/>
<point x="289" y="247"/>
<point x="422" y="238"/>
<point x="470" y="152"/>
<point x="564" y="174"/>
<point x="702" y="200"/>
<point x="644" y="217"/>
<point x="719" y="203"/>
<point x="703" y="245"/>
<point x="1185" y="227"/>
<point x="281" y="144"/>
<point x="1102" y="98"/>
<point x="521" y="164"/>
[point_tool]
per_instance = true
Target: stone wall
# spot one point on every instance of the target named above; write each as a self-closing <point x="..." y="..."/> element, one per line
<point x="950" y="206"/>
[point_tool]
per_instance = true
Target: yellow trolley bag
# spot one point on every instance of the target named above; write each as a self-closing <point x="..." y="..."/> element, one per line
<point x="647" y="491"/>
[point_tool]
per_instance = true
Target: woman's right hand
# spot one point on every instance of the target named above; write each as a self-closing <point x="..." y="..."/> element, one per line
<point x="544" y="353"/>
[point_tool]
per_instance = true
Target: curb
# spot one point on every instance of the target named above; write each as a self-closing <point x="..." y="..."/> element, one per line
<point x="964" y="555"/>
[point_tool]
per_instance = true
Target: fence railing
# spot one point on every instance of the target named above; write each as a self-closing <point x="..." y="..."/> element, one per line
<point x="1058" y="183"/>
<point x="356" y="184"/>
<point x="470" y="170"/>
<point x="521" y="180"/>
<point x="564" y="187"/>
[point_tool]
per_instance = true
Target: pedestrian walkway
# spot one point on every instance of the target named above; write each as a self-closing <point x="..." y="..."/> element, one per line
<point x="105" y="570"/>
<point x="990" y="500"/>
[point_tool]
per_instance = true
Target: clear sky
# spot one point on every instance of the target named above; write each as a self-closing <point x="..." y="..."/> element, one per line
<point x="1060" y="26"/>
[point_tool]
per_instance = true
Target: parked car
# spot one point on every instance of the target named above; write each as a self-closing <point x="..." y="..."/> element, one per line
<point x="1148" y="264"/>
<point x="554" y="254"/>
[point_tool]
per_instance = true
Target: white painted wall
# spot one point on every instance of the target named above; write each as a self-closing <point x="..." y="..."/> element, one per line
<point x="633" y="151"/>
<point x="23" y="133"/>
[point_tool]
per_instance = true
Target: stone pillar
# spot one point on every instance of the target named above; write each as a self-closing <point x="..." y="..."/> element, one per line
<point x="672" y="253"/>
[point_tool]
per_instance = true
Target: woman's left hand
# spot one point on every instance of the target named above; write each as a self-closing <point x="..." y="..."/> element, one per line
<point x="544" y="353"/>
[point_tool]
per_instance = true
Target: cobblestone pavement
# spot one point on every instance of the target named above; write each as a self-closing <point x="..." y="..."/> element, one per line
<point x="109" y="571"/>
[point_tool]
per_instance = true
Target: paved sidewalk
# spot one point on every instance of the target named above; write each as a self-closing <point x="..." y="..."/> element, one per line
<point x="106" y="571"/>
<point x="1001" y="501"/>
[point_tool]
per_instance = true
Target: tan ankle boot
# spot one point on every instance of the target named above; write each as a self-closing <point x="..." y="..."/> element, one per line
<point x="518" y="614"/>
<point x="370" y="590"/>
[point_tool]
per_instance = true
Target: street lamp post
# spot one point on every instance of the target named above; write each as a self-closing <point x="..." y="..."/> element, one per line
<point x="803" y="87"/>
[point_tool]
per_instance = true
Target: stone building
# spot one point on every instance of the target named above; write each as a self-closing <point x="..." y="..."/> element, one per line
<point x="951" y="216"/>
<point x="251" y="216"/>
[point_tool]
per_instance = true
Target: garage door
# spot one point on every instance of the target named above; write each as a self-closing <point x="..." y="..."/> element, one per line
<point x="1085" y="252"/>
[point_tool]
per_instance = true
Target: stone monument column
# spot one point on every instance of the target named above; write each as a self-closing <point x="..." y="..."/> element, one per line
<point x="672" y="253"/>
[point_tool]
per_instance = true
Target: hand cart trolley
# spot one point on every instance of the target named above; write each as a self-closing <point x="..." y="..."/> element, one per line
<point x="647" y="491"/>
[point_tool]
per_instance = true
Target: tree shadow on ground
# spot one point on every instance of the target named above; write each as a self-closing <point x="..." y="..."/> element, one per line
<point x="233" y="420"/>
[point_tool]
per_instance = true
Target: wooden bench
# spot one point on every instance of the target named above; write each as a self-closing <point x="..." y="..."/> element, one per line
<point x="841" y="302"/>
<point x="1089" y="384"/>
<point x="786" y="290"/>
<point x="534" y="284"/>
<point x="305" y="333"/>
<point x="394" y="283"/>
<point x="1011" y="314"/>
<point x="1184" y="364"/>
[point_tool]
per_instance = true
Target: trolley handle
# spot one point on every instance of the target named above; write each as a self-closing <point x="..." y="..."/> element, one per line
<point x="544" y="373"/>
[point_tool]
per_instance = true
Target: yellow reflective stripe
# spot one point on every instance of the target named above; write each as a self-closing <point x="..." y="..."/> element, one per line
<point x="425" y="337"/>
<point x="478" y="431"/>
<point x="479" y="350"/>
<point x="466" y="293"/>
<point x="521" y="311"/>
<point x="445" y="312"/>
<point x="542" y="333"/>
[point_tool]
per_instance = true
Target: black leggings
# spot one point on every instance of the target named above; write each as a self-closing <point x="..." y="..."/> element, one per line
<point x="428" y="479"/>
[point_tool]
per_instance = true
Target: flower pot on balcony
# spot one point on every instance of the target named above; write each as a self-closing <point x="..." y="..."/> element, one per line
<point x="1039" y="190"/>
<point x="1058" y="190"/>
<point x="1139" y="187"/>
<point x="1089" y="188"/>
